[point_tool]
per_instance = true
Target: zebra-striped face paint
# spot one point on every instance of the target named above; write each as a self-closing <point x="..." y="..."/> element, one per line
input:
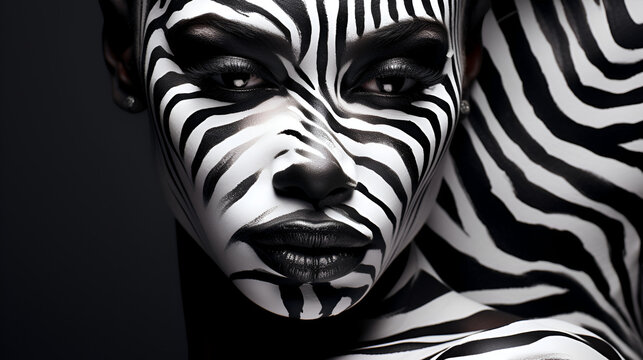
<point x="300" y="138"/>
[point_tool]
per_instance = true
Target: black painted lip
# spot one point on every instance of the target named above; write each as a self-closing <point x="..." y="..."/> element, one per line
<point x="306" y="246"/>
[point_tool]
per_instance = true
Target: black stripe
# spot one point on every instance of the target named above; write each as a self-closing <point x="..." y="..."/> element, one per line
<point x="389" y="213"/>
<point x="396" y="348"/>
<point x="330" y="296"/>
<point x="212" y="179"/>
<point x="441" y="5"/>
<point x="239" y="191"/>
<point x="624" y="30"/>
<point x="359" y="16"/>
<point x="499" y="343"/>
<point x="408" y="4"/>
<point x="483" y="320"/>
<point x="370" y="270"/>
<point x="601" y="346"/>
<point x="419" y="291"/>
<point x="215" y="136"/>
<point x="296" y="10"/>
<point x="428" y="8"/>
<point x="375" y="10"/>
<point x="392" y="9"/>
<point x="340" y="33"/>
<point x="293" y="300"/>
<point x="447" y="202"/>
<point x="245" y="7"/>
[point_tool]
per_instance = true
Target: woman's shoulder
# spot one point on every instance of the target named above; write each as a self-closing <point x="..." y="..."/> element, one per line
<point x="535" y="339"/>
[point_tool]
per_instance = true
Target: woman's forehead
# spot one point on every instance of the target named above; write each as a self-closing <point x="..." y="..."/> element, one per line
<point x="303" y="24"/>
<point x="291" y="18"/>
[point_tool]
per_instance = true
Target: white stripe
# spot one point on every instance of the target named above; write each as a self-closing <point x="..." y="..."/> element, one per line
<point x="435" y="6"/>
<point x="157" y="39"/>
<point x="385" y="16"/>
<point x="635" y="145"/>
<point x="312" y="306"/>
<point x="420" y="12"/>
<point x="351" y="25"/>
<point x="635" y="9"/>
<point x="177" y="90"/>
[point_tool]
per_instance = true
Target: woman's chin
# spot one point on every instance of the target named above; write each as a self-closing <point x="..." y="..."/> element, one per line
<point x="305" y="301"/>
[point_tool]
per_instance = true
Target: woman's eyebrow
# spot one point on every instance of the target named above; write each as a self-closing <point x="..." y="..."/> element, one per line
<point x="212" y="31"/>
<point x="414" y="32"/>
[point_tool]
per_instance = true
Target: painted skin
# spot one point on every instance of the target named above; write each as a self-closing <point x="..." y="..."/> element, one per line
<point x="257" y="145"/>
<point x="276" y="120"/>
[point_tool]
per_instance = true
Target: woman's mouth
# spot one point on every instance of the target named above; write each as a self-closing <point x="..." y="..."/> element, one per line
<point x="307" y="246"/>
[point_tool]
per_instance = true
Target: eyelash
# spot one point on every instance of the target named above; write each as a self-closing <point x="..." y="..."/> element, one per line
<point x="398" y="68"/>
<point x="209" y="75"/>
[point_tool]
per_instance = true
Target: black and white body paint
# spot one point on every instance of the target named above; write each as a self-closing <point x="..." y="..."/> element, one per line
<point x="301" y="143"/>
<point x="424" y="319"/>
<point x="301" y="138"/>
<point x="540" y="214"/>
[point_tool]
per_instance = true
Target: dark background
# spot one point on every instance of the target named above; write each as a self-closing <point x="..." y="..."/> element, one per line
<point x="88" y="265"/>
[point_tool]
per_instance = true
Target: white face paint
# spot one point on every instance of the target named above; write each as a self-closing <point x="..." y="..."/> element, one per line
<point x="300" y="138"/>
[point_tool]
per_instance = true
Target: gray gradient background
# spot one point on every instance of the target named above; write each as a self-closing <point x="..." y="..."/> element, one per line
<point x="88" y="268"/>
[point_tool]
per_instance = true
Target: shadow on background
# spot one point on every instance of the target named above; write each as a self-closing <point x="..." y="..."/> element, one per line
<point x="88" y="266"/>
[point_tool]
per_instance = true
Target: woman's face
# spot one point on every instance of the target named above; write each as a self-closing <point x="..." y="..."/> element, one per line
<point x="300" y="138"/>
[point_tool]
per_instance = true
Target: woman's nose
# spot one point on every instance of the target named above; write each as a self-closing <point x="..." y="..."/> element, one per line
<point x="319" y="181"/>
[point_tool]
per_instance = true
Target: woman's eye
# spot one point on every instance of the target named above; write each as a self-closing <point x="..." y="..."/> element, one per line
<point x="391" y="85"/>
<point x="238" y="80"/>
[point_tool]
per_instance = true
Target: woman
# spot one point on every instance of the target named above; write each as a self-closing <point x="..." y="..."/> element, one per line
<point x="300" y="142"/>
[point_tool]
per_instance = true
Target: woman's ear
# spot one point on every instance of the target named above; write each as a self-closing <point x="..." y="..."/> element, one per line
<point x="118" y="47"/>
<point x="472" y="65"/>
<point x="476" y="12"/>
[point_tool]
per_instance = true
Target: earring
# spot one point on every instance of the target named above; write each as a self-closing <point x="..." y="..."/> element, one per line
<point x="129" y="102"/>
<point x="122" y="97"/>
<point x="465" y="108"/>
